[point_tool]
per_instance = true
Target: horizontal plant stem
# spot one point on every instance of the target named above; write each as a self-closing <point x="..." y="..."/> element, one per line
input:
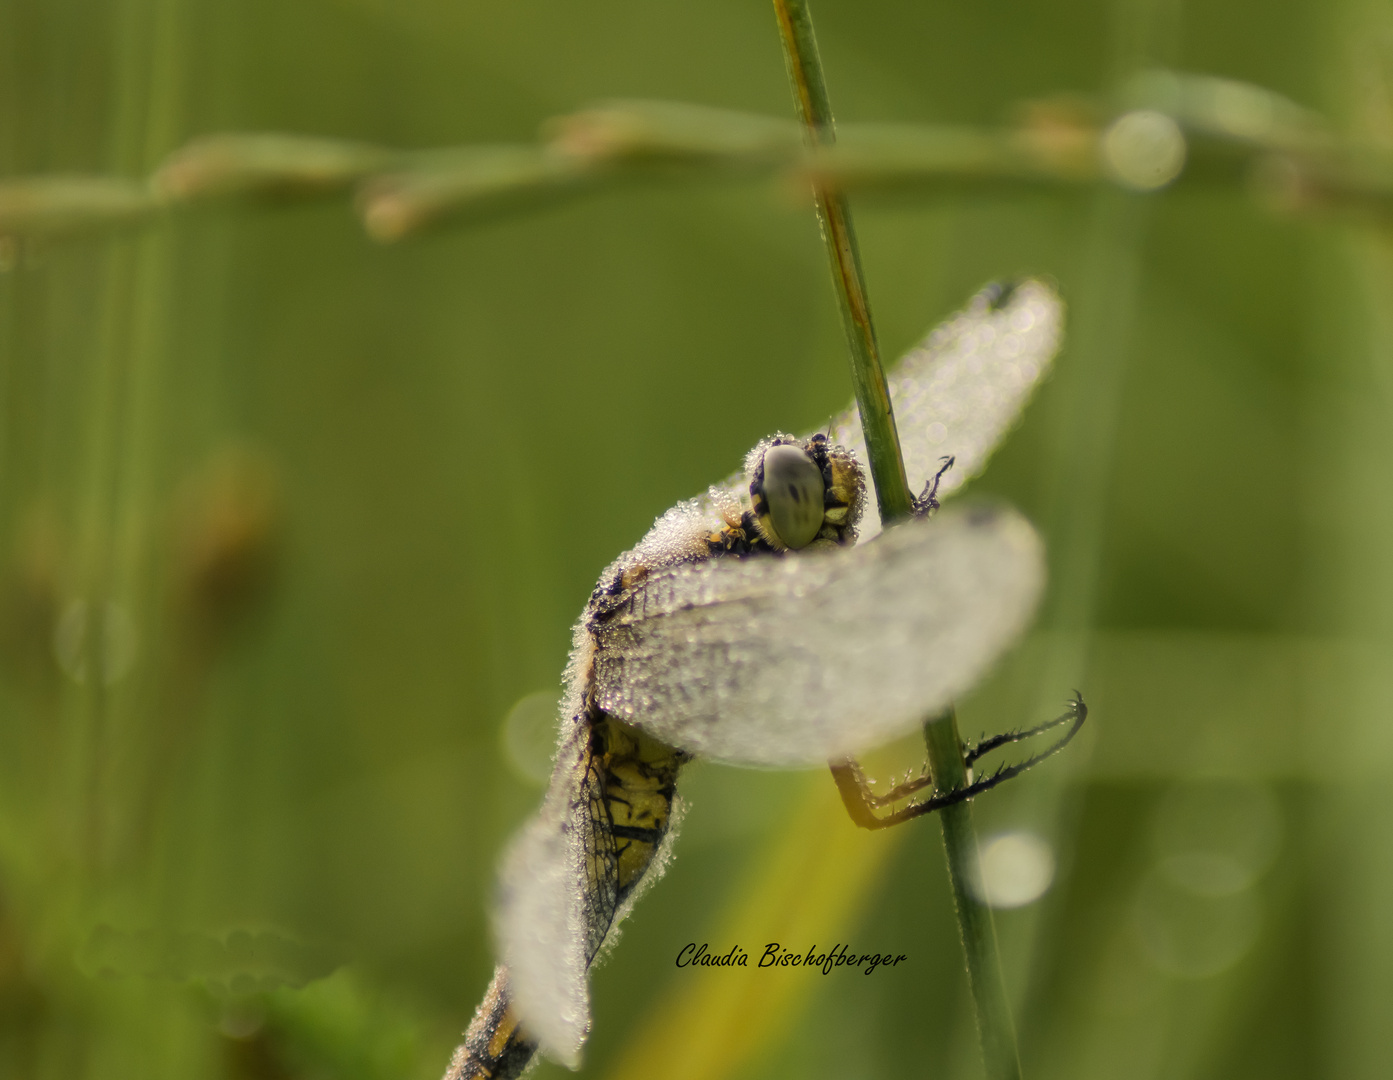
<point x="1294" y="164"/>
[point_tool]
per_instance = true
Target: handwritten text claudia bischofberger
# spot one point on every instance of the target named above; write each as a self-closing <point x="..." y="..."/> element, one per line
<point x="776" y="956"/>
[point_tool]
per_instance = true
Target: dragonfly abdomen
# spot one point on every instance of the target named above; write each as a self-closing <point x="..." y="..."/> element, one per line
<point x="640" y="782"/>
<point x="627" y="786"/>
<point x="495" y="1046"/>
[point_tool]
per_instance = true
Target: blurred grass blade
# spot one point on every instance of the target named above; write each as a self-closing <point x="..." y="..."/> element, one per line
<point x="1217" y="130"/>
<point x="1288" y="155"/>
<point x="468" y="185"/>
<point x="51" y="205"/>
<point x="878" y="157"/>
<point x="269" y="165"/>
<point x="674" y="132"/>
<point x="1351" y="179"/>
<point x="1227" y="109"/>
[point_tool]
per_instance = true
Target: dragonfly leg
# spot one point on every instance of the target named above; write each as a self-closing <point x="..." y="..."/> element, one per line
<point x="927" y="502"/>
<point x="862" y="804"/>
<point x="903" y="791"/>
<point x="1075" y="715"/>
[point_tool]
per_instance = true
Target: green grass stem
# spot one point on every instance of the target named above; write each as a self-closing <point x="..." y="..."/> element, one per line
<point x="834" y="215"/>
<point x="994" y="1024"/>
<point x="995" y="1027"/>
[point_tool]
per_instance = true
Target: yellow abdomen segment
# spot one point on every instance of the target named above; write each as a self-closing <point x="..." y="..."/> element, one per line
<point x="640" y="777"/>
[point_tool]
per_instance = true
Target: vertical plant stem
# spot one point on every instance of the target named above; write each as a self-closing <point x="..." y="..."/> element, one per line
<point x="994" y="1024"/>
<point x="834" y="216"/>
<point x="995" y="1028"/>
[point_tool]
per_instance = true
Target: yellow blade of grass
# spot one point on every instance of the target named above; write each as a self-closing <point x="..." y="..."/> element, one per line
<point x="808" y="887"/>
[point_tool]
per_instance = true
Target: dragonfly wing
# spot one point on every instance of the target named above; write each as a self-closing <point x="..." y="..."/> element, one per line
<point x="556" y="876"/>
<point x="960" y="391"/>
<point x="792" y="661"/>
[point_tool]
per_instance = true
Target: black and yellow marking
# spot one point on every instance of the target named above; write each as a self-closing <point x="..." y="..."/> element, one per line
<point x="740" y="538"/>
<point x="495" y="1047"/>
<point x="640" y="783"/>
<point x="622" y="581"/>
<point x="630" y="784"/>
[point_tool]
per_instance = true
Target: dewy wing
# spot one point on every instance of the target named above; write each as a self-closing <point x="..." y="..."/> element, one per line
<point x="962" y="389"/>
<point x="789" y="662"/>
<point x="746" y="627"/>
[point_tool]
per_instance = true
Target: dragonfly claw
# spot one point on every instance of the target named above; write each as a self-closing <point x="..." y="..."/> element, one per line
<point x="861" y="803"/>
<point x="927" y="502"/>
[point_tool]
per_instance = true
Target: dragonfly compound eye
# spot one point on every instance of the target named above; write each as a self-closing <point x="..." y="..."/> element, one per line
<point x="793" y="494"/>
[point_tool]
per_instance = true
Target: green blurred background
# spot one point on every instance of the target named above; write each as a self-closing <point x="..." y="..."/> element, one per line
<point x="290" y="521"/>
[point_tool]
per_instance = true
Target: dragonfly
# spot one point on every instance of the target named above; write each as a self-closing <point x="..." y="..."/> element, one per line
<point x="775" y="622"/>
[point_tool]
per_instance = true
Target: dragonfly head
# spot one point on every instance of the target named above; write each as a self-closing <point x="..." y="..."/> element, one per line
<point x="802" y="491"/>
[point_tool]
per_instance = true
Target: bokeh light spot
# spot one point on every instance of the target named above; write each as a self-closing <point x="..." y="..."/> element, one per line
<point x="1016" y="869"/>
<point x="528" y="736"/>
